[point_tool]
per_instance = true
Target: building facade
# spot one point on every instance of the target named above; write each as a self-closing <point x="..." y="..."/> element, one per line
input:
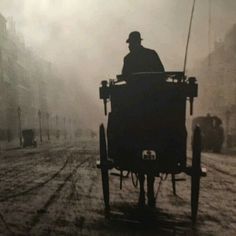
<point x="31" y="91"/>
<point x="217" y="84"/>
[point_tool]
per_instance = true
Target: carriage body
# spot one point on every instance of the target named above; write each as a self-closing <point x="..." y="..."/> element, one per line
<point x="146" y="132"/>
<point x="146" y="125"/>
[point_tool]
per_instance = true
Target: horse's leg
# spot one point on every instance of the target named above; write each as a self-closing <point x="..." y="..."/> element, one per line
<point x="150" y="190"/>
<point x="141" y="179"/>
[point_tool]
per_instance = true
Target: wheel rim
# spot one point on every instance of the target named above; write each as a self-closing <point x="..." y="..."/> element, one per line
<point x="196" y="172"/>
<point x="104" y="169"/>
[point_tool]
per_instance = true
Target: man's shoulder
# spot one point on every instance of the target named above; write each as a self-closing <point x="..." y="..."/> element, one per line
<point x="142" y="51"/>
<point x="149" y="51"/>
<point x="127" y="56"/>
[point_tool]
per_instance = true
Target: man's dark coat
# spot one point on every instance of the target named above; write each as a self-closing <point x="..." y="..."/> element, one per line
<point x="142" y="60"/>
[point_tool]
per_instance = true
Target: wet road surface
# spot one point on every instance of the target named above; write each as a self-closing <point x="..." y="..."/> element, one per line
<point x="57" y="191"/>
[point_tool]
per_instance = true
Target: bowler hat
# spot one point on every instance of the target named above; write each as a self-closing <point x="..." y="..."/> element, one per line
<point x="134" y="37"/>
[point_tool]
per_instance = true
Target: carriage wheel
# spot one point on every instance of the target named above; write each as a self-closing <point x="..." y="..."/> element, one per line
<point x="104" y="167"/>
<point x="196" y="172"/>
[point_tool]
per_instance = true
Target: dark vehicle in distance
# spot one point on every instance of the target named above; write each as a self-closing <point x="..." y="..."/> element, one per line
<point x="29" y="138"/>
<point x="146" y="131"/>
<point x="212" y="132"/>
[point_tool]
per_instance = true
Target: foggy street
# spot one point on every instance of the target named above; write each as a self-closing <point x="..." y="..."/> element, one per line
<point x="58" y="191"/>
<point x="93" y="93"/>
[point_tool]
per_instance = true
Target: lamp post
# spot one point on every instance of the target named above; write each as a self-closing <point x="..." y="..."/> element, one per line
<point x="40" y="126"/>
<point x="48" y="131"/>
<point x="228" y="137"/>
<point x="57" y="131"/>
<point x="74" y="129"/>
<point x="70" y="127"/>
<point x="65" y="127"/>
<point x="19" y="120"/>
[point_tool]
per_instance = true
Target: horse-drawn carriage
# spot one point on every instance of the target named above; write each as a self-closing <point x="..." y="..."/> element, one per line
<point x="29" y="138"/>
<point x="146" y="130"/>
<point x="212" y="132"/>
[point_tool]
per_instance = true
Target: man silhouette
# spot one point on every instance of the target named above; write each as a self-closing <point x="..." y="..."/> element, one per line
<point x="140" y="59"/>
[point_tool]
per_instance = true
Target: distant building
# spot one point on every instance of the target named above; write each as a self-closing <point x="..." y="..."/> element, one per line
<point x="28" y="82"/>
<point x="217" y="83"/>
<point x="2" y="25"/>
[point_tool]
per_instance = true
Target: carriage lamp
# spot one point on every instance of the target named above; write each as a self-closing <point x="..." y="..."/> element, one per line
<point x="192" y="80"/>
<point x="104" y="94"/>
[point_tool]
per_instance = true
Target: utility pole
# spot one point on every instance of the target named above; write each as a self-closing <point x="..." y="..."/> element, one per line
<point x="48" y="131"/>
<point x="228" y="136"/>
<point x="65" y="127"/>
<point x="209" y="31"/>
<point x="19" y="128"/>
<point x="40" y="126"/>
<point x="74" y="129"/>
<point x="57" y="131"/>
<point x="70" y="127"/>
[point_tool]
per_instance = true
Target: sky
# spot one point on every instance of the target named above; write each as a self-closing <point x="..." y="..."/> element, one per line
<point x="87" y="38"/>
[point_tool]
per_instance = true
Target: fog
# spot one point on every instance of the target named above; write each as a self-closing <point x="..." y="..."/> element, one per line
<point x="85" y="40"/>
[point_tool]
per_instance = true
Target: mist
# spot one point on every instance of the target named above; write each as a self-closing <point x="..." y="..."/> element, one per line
<point x="85" y="40"/>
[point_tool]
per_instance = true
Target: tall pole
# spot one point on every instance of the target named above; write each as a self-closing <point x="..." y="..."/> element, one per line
<point x="19" y="119"/>
<point x="40" y="126"/>
<point x="188" y="38"/>
<point x="57" y="131"/>
<point x="73" y="128"/>
<point x="48" y="131"/>
<point x="228" y="137"/>
<point x="209" y="33"/>
<point x="70" y="127"/>
<point x="65" y="127"/>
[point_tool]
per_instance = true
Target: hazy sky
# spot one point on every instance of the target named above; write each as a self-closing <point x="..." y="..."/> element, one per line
<point x="88" y="37"/>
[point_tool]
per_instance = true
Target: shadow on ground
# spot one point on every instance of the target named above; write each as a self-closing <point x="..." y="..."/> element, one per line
<point x="126" y="219"/>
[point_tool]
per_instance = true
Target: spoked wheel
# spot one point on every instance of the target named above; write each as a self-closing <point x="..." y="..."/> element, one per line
<point x="104" y="167"/>
<point x="196" y="172"/>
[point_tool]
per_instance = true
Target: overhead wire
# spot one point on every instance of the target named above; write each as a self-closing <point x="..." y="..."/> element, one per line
<point x="188" y="38"/>
<point x="209" y="32"/>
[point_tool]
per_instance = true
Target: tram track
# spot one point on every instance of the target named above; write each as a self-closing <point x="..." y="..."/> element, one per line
<point x="70" y="203"/>
<point x="35" y="187"/>
<point x="212" y="166"/>
<point x="19" y="172"/>
<point x="218" y="165"/>
<point x="209" y="161"/>
<point x="71" y="159"/>
<point x="14" y="169"/>
<point x="23" y="193"/>
<point x="54" y="195"/>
